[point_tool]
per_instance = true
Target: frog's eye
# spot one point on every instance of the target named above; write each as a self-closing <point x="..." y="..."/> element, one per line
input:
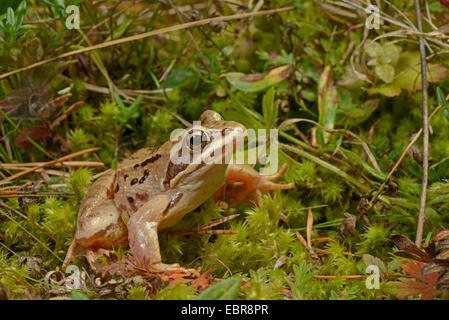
<point x="197" y="139"/>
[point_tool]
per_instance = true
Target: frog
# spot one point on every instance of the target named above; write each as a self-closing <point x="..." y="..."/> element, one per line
<point x="154" y="188"/>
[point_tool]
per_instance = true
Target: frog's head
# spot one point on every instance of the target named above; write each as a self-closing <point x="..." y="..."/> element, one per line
<point x="201" y="153"/>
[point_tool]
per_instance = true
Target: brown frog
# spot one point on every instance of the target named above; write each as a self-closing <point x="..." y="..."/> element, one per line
<point x="154" y="188"/>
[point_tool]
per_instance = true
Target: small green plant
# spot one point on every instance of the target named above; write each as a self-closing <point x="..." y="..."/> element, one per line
<point x="11" y="25"/>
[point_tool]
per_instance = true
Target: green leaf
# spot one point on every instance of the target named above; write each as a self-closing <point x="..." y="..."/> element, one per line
<point x="180" y="77"/>
<point x="270" y="108"/>
<point x="258" y="81"/>
<point x="386" y="90"/>
<point x="10" y="17"/>
<point x="356" y="159"/>
<point x="303" y="276"/>
<point x="119" y="32"/>
<point x="78" y="295"/>
<point x="442" y="101"/>
<point x="327" y="102"/>
<point x="385" y="72"/>
<point x="409" y="72"/>
<point x="224" y="290"/>
<point x="374" y="50"/>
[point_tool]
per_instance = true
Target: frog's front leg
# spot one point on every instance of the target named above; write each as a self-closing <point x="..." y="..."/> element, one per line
<point x="143" y="234"/>
<point x="243" y="181"/>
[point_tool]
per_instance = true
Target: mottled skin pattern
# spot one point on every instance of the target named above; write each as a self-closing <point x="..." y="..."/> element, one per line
<point x="149" y="192"/>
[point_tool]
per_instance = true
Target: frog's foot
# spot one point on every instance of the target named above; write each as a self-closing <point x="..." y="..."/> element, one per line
<point x="93" y="255"/>
<point x="166" y="268"/>
<point x="243" y="182"/>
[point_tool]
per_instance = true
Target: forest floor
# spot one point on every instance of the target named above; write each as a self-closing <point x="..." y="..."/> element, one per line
<point x="85" y="83"/>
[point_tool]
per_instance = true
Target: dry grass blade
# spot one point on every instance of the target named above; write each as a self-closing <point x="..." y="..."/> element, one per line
<point x="46" y="164"/>
<point x="64" y="163"/>
<point x="309" y="227"/>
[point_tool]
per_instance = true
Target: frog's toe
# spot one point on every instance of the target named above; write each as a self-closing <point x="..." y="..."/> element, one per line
<point x="165" y="267"/>
<point x="175" y="267"/>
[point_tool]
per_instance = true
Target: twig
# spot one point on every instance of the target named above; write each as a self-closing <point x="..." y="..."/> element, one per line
<point x="46" y="164"/>
<point x="350" y="277"/>
<point x="145" y="35"/>
<point x="425" y="111"/>
<point x="47" y="171"/>
<point x="64" y="163"/>
<point x="15" y="194"/>
<point x="66" y="113"/>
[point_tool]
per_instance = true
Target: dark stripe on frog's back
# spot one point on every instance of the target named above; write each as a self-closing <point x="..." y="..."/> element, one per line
<point x="129" y="162"/>
<point x="134" y="183"/>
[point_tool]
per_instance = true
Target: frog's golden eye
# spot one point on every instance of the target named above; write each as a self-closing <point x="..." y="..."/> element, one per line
<point x="197" y="139"/>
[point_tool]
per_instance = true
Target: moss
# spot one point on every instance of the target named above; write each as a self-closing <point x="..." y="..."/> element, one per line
<point x="178" y="291"/>
<point x="181" y="79"/>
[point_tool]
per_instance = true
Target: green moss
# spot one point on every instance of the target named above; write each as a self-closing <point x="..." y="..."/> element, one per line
<point x="178" y="291"/>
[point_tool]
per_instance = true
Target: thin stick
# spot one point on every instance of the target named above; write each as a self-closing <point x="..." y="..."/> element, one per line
<point x="425" y="112"/>
<point x="47" y="171"/>
<point x="146" y="35"/>
<point x="350" y="277"/>
<point x="65" y="164"/>
<point x="46" y="164"/>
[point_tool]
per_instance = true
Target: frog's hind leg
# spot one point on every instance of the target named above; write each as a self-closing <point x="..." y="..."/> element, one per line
<point x="244" y="182"/>
<point x="71" y="253"/>
<point x="101" y="229"/>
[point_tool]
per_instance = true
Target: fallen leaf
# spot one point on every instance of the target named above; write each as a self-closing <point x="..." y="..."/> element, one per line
<point x="420" y="285"/>
<point x="258" y="81"/>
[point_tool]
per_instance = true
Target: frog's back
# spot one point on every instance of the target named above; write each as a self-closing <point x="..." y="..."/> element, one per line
<point x="138" y="178"/>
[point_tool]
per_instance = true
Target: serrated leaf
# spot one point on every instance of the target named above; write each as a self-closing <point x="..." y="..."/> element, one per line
<point x="426" y="286"/>
<point x="224" y="290"/>
<point x="258" y="81"/>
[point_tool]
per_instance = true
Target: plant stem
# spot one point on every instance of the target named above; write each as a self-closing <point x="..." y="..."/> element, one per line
<point x="425" y="111"/>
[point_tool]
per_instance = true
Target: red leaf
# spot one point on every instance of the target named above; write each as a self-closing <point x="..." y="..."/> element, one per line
<point x="37" y="133"/>
<point x="203" y="281"/>
<point x="444" y="3"/>
<point x="421" y="285"/>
